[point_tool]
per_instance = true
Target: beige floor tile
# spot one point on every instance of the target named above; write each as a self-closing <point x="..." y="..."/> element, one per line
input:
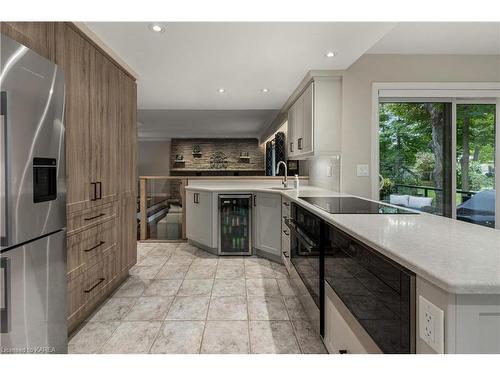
<point x="309" y="340"/>
<point x="269" y="337"/>
<point x="162" y="288"/>
<point x="172" y="271"/>
<point x="179" y="337"/>
<point x="295" y="309"/>
<point x="229" y="287"/>
<point x="132" y="287"/>
<point x="152" y="261"/>
<point x="262" y="287"/>
<point x="201" y="272"/>
<point x="132" y="337"/>
<point x="254" y="271"/>
<point x="228" y="308"/>
<point x="230" y="271"/>
<point x="286" y="287"/>
<point x="188" y="308"/>
<point x="233" y="260"/>
<point x="202" y="254"/>
<point x="253" y="260"/>
<point x="113" y="309"/>
<point x="280" y="271"/>
<point x="145" y="273"/>
<point x="227" y="337"/>
<point x="204" y="262"/>
<point x="267" y="308"/>
<point x="199" y="287"/>
<point x="149" y="309"/>
<point x="91" y="338"/>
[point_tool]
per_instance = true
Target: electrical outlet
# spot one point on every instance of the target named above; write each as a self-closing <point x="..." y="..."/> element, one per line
<point x="363" y="170"/>
<point x="329" y="170"/>
<point x="431" y="324"/>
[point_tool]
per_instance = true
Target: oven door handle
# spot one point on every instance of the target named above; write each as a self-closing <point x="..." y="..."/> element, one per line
<point x="309" y="244"/>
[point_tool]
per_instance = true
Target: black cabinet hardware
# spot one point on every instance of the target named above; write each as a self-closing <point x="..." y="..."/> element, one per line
<point x="95" y="246"/>
<point x="101" y="279"/>
<point x="94" y="217"/>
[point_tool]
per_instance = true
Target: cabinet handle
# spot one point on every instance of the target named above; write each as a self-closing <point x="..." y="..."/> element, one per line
<point x="299" y="143"/>
<point x="343" y="351"/>
<point x="100" y="190"/>
<point x="101" y="279"/>
<point x="291" y="146"/>
<point x="95" y="191"/>
<point x="285" y="253"/>
<point x="255" y="200"/>
<point x="196" y="198"/>
<point x="93" y="217"/>
<point x="286" y="232"/>
<point x="286" y="204"/>
<point x="95" y="247"/>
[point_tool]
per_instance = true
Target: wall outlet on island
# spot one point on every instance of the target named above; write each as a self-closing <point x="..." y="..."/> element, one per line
<point x="363" y="170"/>
<point x="431" y="324"/>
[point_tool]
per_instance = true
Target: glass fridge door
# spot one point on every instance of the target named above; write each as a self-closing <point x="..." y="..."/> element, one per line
<point x="235" y="224"/>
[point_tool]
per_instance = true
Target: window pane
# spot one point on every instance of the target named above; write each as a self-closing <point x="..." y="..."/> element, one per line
<point x="415" y="158"/>
<point x="475" y="195"/>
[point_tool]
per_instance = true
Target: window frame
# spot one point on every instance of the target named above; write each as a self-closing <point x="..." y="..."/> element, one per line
<point x="448" y="92"/>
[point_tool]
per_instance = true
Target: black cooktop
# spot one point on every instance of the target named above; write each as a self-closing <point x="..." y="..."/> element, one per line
<point x="351" y="205"/>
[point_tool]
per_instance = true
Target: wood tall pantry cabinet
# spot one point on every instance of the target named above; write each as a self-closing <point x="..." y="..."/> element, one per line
<point x="101" y="139"/>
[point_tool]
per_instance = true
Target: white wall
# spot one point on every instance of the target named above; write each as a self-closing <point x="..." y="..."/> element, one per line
<point x="318" y="172"/>
<point x="357" y="98"/>
<point x="153" y="158"/>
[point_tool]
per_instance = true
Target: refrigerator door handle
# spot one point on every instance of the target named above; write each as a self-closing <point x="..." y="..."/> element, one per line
<point x="5" y="298"/>
<point x="4" y="210"/>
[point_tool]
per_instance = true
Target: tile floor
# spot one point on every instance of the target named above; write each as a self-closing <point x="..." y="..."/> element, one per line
<point x="181" y="299"/>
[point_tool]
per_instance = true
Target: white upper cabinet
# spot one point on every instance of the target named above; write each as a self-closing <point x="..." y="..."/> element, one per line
<point x="314" y="119"/>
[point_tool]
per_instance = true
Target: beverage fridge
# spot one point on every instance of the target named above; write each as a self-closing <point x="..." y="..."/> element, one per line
<point x="235" y="218"/>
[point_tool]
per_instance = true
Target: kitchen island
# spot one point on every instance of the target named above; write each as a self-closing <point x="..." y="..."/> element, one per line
<point x="457" y="265"/>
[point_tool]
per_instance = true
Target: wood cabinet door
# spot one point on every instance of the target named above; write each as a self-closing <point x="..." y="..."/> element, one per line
<point x="37" y="36"/>
<point x="306" y="141"/>
<point x="73" y="56"/>
<point x="128" y="136"/>
<point x="104" y="103"/>
<point x="267" y="223"/>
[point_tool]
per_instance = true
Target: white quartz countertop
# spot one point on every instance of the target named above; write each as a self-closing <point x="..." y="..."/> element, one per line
<point x="458" y="257"/>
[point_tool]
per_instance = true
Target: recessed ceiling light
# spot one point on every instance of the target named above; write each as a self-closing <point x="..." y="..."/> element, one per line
<point x="157" y="28"/>
<point x="331" y="54"/>
<point x="265" y="90"/>
<point x="221" y="90"/>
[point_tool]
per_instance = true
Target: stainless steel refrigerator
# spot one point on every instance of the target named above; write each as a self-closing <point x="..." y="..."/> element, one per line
<point x="32" y="203"/>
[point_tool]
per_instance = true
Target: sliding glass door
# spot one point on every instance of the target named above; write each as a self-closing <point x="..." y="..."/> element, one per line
<point x="475" y="163"/>
<point x="415" y="144"/>
<point x="417" y="139"/>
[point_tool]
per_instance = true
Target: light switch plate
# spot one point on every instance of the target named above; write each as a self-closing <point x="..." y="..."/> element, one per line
<point x="363" y="170"/>
<point x="431" y="324"/>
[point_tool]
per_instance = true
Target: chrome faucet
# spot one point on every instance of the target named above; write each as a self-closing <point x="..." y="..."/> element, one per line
<point x="284" y="182"/>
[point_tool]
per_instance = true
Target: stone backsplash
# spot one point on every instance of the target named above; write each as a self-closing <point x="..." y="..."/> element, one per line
<point x="232" y="148"/>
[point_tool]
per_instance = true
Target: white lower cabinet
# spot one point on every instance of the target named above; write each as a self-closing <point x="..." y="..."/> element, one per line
<point x="267" y="223"/>
<point x="343" y="334"/>
<point x="199" y="217"/>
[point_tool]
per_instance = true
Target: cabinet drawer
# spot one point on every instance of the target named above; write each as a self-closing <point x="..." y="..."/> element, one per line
<point x="89" y="217"/>
<point x="90" y="246"/>
<point x="90" y="284"/>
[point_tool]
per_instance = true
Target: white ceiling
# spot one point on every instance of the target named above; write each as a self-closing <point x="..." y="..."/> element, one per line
<point x="183" y="67"/>
<point x="444" y="38"/>
<point x="155" y="124"/>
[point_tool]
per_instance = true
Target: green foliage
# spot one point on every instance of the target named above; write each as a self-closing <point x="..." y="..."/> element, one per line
<point x="406" y="144"/>
<point x="478" y="180"/>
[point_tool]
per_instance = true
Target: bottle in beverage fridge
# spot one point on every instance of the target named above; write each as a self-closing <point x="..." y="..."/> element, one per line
<point x="234" y="242"/>
<point x="242" y="243"/>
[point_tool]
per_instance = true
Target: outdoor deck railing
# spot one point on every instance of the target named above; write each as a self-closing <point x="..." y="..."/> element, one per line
<point x="465" y="195"/>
